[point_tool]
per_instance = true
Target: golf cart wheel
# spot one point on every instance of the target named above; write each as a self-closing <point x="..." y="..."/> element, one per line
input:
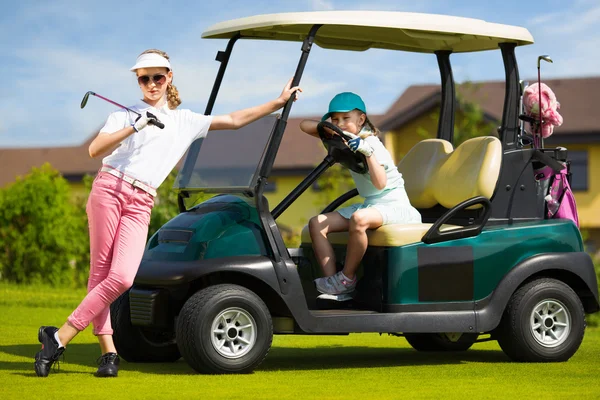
<point x="135" y="344"/>
<point x="544" y="321"/>
<point x="440" y="341"/>
<point x="224" y="329"/>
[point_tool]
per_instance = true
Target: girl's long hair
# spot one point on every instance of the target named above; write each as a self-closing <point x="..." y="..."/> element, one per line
<point x="374" y="130"/>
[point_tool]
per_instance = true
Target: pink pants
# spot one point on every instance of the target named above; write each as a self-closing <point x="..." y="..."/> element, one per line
<point x="118" y="215"/>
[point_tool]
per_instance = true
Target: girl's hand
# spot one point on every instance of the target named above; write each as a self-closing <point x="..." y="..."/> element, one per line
<point x="288" y="91"/>
<point x="357" y="144"/>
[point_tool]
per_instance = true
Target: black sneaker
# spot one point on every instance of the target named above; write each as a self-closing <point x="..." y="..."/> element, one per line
<point x="108" y="365"/>
<point x="50" y="351"/>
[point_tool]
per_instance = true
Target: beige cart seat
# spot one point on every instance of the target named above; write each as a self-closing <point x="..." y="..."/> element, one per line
<point x="434" y="174"/>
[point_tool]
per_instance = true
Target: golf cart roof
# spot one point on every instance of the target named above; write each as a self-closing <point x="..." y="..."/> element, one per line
<point x="362" y="30"/>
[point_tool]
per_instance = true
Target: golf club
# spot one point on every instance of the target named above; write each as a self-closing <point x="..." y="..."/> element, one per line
<point x="87" y="95"/>
<point x="539" y="141"/>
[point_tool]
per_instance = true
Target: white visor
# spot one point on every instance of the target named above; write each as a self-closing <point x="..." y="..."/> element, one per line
<point x="149" y="60"/>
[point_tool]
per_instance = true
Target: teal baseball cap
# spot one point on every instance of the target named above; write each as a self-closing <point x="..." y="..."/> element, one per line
<point x="344" y="102"/>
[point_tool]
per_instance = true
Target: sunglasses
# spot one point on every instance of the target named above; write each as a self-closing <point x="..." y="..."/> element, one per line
<point x="158" y="79"/>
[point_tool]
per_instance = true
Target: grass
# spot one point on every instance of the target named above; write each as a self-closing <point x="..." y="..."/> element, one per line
<point x="332" y="367"/>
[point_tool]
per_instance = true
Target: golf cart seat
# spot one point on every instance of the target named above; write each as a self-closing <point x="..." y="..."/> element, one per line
<point x="434" y="174"/>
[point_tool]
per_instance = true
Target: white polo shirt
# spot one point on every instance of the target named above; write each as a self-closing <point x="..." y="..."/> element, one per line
<point x="151" y="154"/>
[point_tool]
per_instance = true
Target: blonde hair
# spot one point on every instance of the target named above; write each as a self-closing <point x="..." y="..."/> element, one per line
<point x="173" y="98"/>
<point x="374" y="131"/>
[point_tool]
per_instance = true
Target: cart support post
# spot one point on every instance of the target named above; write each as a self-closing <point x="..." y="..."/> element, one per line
<point x="282" y="122"/>
<point x="510" y="114"/>
<point x="223" y="58"/>
<point x="447" y="105"/>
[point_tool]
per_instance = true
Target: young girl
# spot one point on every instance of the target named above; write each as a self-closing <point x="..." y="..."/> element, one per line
<point x="138" y="156"/>
<point x="386" y="201"/>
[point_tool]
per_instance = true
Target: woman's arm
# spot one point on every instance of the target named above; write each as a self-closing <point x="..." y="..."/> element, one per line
<point x="106" y="143"/>
<point x="309" y="126"/>
<point x="238" y="119"/>
<point x="377" y="172"/>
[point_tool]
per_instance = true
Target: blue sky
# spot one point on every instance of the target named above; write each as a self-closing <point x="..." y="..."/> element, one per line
<point x="52" y="52"/>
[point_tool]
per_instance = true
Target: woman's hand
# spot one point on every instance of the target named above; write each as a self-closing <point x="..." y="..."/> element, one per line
<point x="288" y="91"/>
<point x="237" y="119"/>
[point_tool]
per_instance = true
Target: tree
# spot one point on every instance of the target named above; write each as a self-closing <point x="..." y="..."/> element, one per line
<point x="332" y="184"/>
<point x="165" y="204"/>
<point x="470" y="120"/>
<point x="41" y="230"/>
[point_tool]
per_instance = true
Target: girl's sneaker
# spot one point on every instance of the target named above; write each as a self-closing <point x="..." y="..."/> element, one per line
<point x="336" y="284"/>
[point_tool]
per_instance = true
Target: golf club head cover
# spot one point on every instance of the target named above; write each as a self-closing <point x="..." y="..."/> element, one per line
<point x="550" y="107"/>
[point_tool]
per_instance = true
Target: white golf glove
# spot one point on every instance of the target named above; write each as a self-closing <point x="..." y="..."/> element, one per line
<point x="143" y="120"/>
<point x="359" y="145"/>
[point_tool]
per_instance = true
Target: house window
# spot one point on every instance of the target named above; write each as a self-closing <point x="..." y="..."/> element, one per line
<point x="579" y="170"/>
<point x="270" y="187"/>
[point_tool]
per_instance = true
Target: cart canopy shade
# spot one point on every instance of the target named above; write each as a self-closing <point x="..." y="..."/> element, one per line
<point x="362" y="30"/>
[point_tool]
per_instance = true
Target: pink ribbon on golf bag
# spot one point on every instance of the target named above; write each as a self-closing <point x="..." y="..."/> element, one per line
<point x="560" y="200"/>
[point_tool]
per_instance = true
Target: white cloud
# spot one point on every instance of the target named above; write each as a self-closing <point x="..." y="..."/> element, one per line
<point x="579" y="17"/>
<point x="544" y="18"/>
<point x="321" y="5"/>
<point x="67" y="48"/>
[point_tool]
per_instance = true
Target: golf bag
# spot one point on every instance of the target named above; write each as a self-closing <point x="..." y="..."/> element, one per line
<point x="557" y="193"/>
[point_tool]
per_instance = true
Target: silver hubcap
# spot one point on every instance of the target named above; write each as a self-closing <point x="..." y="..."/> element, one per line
<point x="550" y="323"/>
<point x="233" y="332"/>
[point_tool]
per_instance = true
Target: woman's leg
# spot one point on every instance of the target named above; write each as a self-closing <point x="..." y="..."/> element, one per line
<point x="106" y="344"/>
<point x="361" y="220"/>
<point x="319" y="227"/>
<point x="104" y="213"/>
<point x="128" y="249"/>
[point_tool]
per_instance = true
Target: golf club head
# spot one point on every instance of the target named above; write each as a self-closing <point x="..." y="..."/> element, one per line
<point x="545" y="58"/>
<point x="85" y="98"/>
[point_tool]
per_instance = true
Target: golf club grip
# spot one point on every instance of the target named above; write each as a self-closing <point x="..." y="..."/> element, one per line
<point x="158" y="124"/>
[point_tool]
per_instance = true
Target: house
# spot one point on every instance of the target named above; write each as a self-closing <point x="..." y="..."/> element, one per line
<point x="409" y="120"/>
<point x="299" y="154"/>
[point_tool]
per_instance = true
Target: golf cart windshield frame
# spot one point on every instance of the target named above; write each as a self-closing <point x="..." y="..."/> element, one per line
<point x="273" y="145"/>
<point x="508" y="131"/>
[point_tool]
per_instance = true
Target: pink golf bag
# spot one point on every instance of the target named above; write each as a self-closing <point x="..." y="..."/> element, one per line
<point x="560" y="200"/>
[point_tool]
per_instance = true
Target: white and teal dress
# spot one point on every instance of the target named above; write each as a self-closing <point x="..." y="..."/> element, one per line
<point x="392" y="201"/>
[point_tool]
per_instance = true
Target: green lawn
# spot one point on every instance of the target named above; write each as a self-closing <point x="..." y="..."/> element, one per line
<point x="298" y="367"/>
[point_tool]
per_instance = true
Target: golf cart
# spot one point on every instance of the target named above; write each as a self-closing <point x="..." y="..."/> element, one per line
<point x="217" y="281"/>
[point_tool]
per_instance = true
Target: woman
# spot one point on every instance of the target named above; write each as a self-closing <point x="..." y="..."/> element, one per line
<point x="138" y="156"/>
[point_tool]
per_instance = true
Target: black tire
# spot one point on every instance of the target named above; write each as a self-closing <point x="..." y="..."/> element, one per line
<point x="135" y="344"/>
<point x="516" y="334"/>
<point x="439" y="341"/>
<point x="195" y="330"/>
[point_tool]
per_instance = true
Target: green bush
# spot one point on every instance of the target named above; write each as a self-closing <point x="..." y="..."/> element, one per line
<point x="44" y="235"/>
<point x="165" y="204"/>
<point x="41" y="231"/>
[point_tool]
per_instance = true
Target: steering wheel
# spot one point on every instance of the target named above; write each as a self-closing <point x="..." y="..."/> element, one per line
<point x="334" y="140"/>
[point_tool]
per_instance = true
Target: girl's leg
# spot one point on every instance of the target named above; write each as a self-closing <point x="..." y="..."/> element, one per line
<point x="319" y="227"/>
<point x="361" y="220"/>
